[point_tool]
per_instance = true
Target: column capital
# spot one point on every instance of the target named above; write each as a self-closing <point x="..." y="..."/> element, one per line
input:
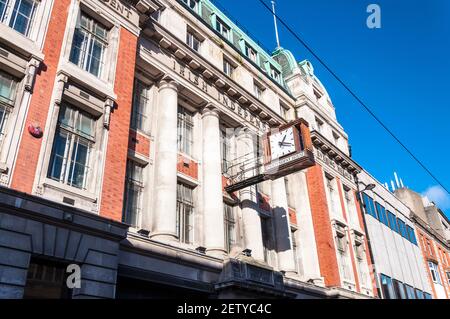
<point x="168" y="83"/>
<point x="210" y="110"/>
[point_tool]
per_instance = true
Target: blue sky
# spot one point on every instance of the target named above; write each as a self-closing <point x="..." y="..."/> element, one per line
<point x="400" y="71"/>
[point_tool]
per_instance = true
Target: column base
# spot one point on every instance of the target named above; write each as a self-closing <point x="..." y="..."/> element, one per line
<point x="164" y="237"/>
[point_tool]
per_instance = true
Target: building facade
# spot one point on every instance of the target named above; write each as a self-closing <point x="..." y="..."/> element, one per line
<point x="433" y="237"/>
<point x="397" y="253"/>
<point x="122" y="122"/>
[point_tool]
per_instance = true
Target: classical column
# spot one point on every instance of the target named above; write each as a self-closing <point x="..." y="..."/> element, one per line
<point x="250" y="217"/>
<point x="282" y="226"/>
<point x="212" y="183"/>
<point x="166" y="157"/>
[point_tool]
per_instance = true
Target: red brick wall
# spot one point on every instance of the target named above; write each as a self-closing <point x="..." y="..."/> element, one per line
<point x="29" y="148"/>
<point x="369" y="258"/>
<point x="187" y="167"/>
<point x="292" y="216"/>
<point x="426" y="255"/>
<point x="116" y="154"/>
<point x="139" y="143"/>
<point x="322" y="227"/>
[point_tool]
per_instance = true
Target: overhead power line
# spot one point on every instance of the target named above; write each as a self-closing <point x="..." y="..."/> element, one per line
<point x="349" y="90"/>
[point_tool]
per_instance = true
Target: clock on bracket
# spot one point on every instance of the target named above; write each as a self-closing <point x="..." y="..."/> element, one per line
<point x="283" y="143"/>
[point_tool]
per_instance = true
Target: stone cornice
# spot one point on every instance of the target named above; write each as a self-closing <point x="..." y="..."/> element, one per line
<point x="199" y="64"/>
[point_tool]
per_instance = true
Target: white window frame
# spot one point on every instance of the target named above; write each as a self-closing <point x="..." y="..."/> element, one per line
<point x="140" y="121"/>
<point x="435" y="275"/>
<point x="185" y="125"/>
<point x="223" y="28"/>
<point x="250" y="52"/>
<point x="137" y="184"/>
<point x="192" y="4"/>
<point x="257" y="90"/>
<point x="228" y="68"/>
<point x="230" y="226"/>
<point x="185" y="211"/>
<point x="72" y="142"/>
<point x="193" y="41"/>
<point x="6" y="17"/>
<point x="7" y="104"/>
<point x="84" y="62"/>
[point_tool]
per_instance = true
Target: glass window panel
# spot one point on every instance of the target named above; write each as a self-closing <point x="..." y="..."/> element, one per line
<point x="7" y="88"/>
<point x="3" y="6"/>
<point x="60" y="146"/>
<point x="22" y="15"/>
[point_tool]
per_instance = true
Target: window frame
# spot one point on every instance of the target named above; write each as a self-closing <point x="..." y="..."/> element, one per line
<point x="230" y="226"/>
<point x="185" y="131"/>
<point x="189" y="3"/>
<point x="139" y="185"/>
<point x="72" y="133"/>
<point x="193" y="41"/>
<point x="10" y="12"/>
<point x="185" y="211"/>
<point x="434" y="271"/>
<point x="369" y="206"/>
<point x="221" y="26"/>
<point x="137" y="116"/>
<point x="228" y="68"/>
<point x="89" y="32"/>
<point x="388" y="287"/>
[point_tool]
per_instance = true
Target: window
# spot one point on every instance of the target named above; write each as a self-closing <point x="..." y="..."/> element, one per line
<point x="21" y="16"/>
<point x="230" y="227"/>
<point x="90" y="41"/>
<point x="46" y="280"/>
<point x="251" y="53"/>
<point x="7" y="99"/>
<point x="266" y="230"/>
<point x="387" y="287"/>
<point x="223" y="29"/>
<point x="73" y="142"/>
<point x="402" y="228"/>
<point x="228" y="68"/>
<point x="275" y="74"/>
<point x="342" y="247"/>
<point x="429" y="248"/>
<point x="185" y="131"/>
<point x="410" y="292"/>
<point x="448" y="276"/>
<point x="335" y="139"/>
<point x="381" y="213"/>
<point x="427" y="296"/>
<point x="330" y="184"/>
<point x="295" y="251"/>
<point x="434" y="270"/>
<point x="134" y="188"/>
<point x="319" y="124"/>
<point x="193" y="4"/>
<point x="141" y="99"/>
<point x="393" y="222"/>
<point x="369" y="205"/>
<point x="411" y="235"/>
<point x="419" y="294"/>
<point x="192" y="41"/>
<point x="257" y="91"/>
<point x="226" y="151"/>
<point x="399" y="288"/>
<point x="185" y="214"/>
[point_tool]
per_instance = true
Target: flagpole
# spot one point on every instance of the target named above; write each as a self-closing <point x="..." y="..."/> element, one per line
<point x="275" y="23"/>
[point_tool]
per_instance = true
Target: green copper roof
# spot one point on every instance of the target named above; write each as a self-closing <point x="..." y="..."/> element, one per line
<point x="237" y="38"/>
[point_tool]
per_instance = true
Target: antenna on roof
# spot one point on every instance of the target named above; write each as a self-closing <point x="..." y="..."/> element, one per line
<point x="397" y="183"/>
<point x="276" y="25"/>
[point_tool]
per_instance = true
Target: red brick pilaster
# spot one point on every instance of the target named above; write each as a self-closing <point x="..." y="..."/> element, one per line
<point x="116" y="154"/>
<point x="29" y="148"/>
<point x="328" y="263"/>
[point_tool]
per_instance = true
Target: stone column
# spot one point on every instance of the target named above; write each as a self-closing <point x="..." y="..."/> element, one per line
<point x="166" y="157"/>
<point x="282" y="227"/>
<point x="250" y="217"/>
<point x="214" y="237"/>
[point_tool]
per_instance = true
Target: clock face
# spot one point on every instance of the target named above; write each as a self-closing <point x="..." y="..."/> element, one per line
<point x="282" y="143"/>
